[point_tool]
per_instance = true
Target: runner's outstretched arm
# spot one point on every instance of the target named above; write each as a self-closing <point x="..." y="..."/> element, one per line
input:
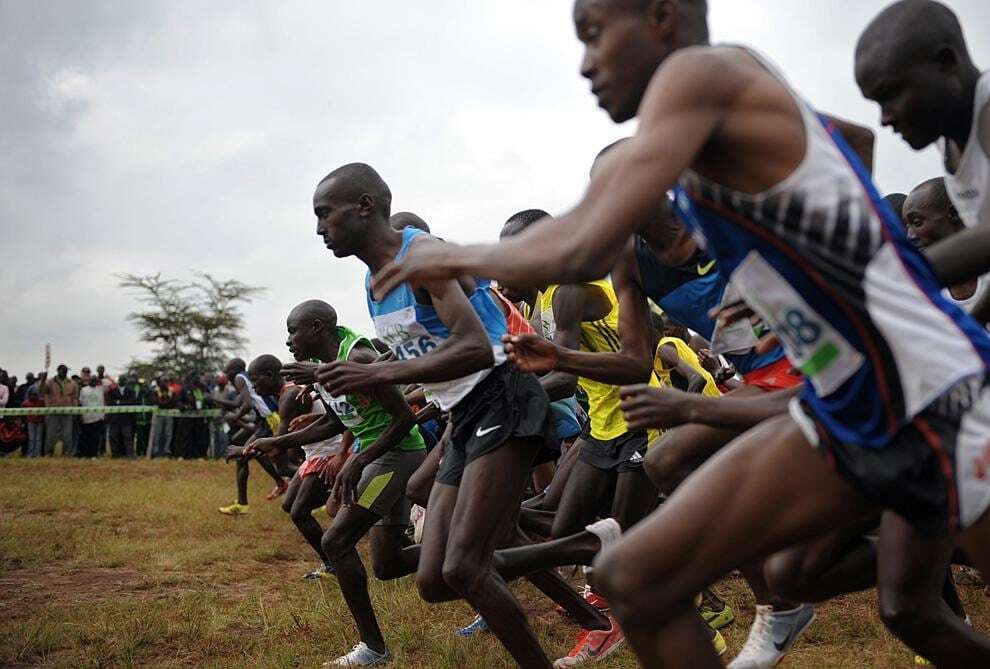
<point x="633" y="363"/>
<point x="684" y="105"/>
<point x="390" y="397"/>
<point x="466" y="351"/>
<point x="651" y="407"/>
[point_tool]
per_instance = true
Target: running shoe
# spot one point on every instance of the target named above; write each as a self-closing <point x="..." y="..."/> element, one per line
<point x="360" y="656"/>
<point x="277" y="491"/>
<point x="595" y="599"/>
<point x="716" y="619"/>
<point x="771" y="636"/>
<point x="593" y="645"/>
<point x="719" y="642"/>
<point x="234" y="509"/>
<point x="324" y="571"/>
<point x="477" y="626"/>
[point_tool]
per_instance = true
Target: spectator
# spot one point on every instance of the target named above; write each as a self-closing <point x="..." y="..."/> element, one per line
<point x="93" y="427"/>
<point x="222" y="395"/>
<point x="21" y="393"/>
<point x="35" y="424"/>
<point x="4" y="389"/>
<point x="60" y="392"/>
<point x="105" y="381"/>
<point x="120" y="427"/>
<point x="162" y="426"/>
<point x="191" y="434"/>
<point x="142" y="421"/>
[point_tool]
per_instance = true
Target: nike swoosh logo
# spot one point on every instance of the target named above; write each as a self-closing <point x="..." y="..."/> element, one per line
<point x="487" y="430"/>
<point x="705" y="269"/>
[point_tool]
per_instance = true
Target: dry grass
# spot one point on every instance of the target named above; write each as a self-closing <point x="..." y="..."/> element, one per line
<point x="108" y="563"/>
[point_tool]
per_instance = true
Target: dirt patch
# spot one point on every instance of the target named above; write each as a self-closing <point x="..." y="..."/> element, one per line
<point x="25" y="591"/>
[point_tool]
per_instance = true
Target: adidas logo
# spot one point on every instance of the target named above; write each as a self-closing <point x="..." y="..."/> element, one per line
<point x="970" y="194"/>
<point x="636" y="457"/>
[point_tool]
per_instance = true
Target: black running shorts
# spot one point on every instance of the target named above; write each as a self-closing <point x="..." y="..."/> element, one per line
<point x="622" y="454"/>
<point x="935" y="472"/>
<point x="507" y="404"/>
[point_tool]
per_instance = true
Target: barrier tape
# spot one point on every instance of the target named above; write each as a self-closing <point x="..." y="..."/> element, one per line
<point x="78" y="411"/>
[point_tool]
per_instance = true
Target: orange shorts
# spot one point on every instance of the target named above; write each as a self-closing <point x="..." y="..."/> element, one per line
<point x="778" y="376"/>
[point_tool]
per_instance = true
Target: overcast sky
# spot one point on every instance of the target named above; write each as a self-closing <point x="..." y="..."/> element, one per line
<point x="140" y="136"/>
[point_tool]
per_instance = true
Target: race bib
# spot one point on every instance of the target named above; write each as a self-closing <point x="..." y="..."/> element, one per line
<point x="404" y="335"/>
<point x="345" y="411"/>
<point x="815" y="347"/>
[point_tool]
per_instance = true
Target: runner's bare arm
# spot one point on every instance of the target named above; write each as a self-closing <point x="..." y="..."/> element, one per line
<point x="671" y="360"/>
<point x="633" y="363"/>
<point x="650" y="407"/>
<point x="345" y="486"/>
<point x="465" y="351"/>
<point x="327" y="426"/>
<point x="684" y="106"/>
<point x="568" y="310"/>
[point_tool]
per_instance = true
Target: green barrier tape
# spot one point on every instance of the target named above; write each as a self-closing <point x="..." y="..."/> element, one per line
<point x="78" y="411"/>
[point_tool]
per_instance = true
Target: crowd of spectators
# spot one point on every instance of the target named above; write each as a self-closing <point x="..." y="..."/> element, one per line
<point x="96" y="433"/>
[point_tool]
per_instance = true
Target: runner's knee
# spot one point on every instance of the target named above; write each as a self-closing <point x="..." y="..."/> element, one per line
<point x="432" y="587"/>
<point x="664" y="464"/>
<point x="336" y="544"/>
<point x="907" y="615"/>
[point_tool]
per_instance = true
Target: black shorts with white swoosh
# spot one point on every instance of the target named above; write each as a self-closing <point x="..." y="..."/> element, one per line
<point x="507" y="404"/>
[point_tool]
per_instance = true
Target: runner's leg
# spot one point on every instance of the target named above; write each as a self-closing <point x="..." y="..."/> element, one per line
<point x="757" y="491"/>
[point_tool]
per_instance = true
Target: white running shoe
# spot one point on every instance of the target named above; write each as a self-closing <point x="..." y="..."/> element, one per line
<point x="771" y="636"/>
<point x="360" y="656"/>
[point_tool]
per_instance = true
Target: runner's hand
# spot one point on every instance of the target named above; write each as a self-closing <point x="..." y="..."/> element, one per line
<point x="303" y="421"/>
<point x="234" y="452"/>
<point x="426" y="260"/>
<point x="343" y="377"/>
<point x="264" y="445"/>
<point x="727" y="314"/>
<point x="531" y="353"/>
<point x="648" y="407"/>
<point x="345" y="487"/>
<point x="301" y="373"/>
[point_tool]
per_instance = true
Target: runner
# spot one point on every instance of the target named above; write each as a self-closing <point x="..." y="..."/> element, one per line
<point x="878" y="397"/>
<point x="930" y="217"/>
<point x="447" y="336"/>
<point x="930" y="92"/>
<point x="249" y="402"/>
<point x="371" y="485"/>
<point x="665" y="264"/>
<point x="585" y="317"/>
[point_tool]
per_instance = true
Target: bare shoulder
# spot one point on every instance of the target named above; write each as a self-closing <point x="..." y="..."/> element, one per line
<point x="362" y="354"/>
<point x="703" y="72"/>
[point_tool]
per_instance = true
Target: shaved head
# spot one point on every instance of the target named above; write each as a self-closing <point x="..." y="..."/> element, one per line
<point x="407" y="219"/>
<point x="348" y="184"/>
<point x="929" y="216"/>
<point x="265" y="364"/>
<point x="934" y="191"/>
<point x="522" y="220"/>
<point x="912" y="31"/>
<point x="314" y="310"/>
<point x="912" y="60"/>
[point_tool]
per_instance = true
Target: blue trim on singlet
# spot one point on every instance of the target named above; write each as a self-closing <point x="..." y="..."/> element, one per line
<point x="855" y="412"/>
<point x="690" y="301"/>
<point x="403" y="296"/>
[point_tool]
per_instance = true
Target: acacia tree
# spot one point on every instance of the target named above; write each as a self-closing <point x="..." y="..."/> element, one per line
<point x="193" y="325"/>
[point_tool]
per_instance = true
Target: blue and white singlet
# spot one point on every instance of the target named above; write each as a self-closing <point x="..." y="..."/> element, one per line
<point x="411" y="329"/>
<point x="822" y="258"/>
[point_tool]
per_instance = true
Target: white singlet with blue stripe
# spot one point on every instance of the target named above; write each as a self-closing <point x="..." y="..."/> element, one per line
<point x="411" y="329"/>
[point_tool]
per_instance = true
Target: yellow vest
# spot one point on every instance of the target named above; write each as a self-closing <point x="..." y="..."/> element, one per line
<point x="685" y="353"/>
<point x="601" y="336"/>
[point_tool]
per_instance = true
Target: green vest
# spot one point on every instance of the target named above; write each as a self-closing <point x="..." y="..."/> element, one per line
<point x="362" y="414"/>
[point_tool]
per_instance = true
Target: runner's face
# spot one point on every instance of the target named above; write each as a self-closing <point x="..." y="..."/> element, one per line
<point x="927" y="222"/>
<point x="910" y="97"/>
<point x="337" y="223"/>
<point x="620" y="54"/>
<point x="302" y="337"/>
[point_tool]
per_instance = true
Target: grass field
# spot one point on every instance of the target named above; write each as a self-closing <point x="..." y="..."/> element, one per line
<point x="110" y="563"/>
